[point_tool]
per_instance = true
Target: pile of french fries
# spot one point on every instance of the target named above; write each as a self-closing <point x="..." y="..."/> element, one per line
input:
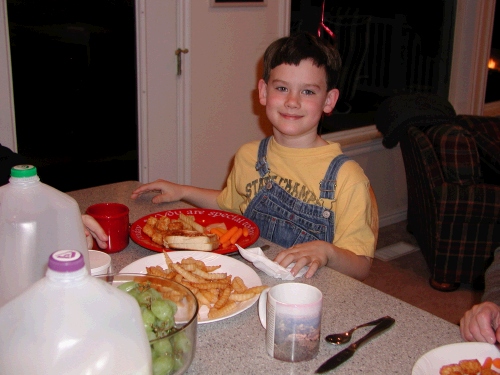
<point x="219" y="291"/>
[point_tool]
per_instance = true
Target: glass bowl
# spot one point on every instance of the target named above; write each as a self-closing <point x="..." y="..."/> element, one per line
<point x="172" y="340"/>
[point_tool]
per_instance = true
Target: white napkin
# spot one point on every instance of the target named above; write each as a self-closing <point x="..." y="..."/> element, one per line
<point x="263" y="263"/>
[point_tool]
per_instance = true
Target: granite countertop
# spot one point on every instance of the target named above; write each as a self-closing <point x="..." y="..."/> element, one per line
<point x="237" y="345"/>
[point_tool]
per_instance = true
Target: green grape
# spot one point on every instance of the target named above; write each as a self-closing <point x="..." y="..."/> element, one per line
<point x="150" y="333"/>
<point x="178" y="361"/>
<point x="155" y="294"/>
<point x="128" y="286"/>
<point x="145" y="297"/>
<point x="162" y="309"/>
<point x="163" y="346"/>
<point x="163" y="365"/>
<point x="148" y="317"/>
<point x="181" y="343"/>
<point x="173" y="306"/>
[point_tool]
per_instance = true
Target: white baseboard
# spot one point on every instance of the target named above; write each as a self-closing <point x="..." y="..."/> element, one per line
<point x="392" y="218"/>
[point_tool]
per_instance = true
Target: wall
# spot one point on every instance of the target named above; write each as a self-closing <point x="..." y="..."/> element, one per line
<point x="232" y="40"/>
<point x="227" y="44"/>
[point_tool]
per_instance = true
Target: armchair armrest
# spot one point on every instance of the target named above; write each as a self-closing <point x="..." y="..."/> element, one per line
<point x="471" y="204"/>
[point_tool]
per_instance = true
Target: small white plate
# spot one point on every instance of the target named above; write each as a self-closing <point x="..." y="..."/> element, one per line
<point x="229" y="265"/>
<point x="431" y="362"/>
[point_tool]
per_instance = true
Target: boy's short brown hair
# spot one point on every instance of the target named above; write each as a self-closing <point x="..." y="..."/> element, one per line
<point x="300" y="46"/>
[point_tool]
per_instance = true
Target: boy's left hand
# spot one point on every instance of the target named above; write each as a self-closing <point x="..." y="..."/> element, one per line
<point x="313" y="254"/>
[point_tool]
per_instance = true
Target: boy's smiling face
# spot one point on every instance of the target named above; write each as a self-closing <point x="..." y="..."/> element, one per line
<point x="295" y="98"/>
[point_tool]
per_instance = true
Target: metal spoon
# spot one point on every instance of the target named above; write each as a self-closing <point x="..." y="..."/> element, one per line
<point x="342" y="338"/>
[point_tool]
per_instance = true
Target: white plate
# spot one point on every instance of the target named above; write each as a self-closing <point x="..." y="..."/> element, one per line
<point x="230" y="265"/>
<point x="431" y="362"/>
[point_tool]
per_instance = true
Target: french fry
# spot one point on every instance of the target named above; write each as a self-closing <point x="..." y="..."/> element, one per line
<point x="186" y="274"/>
<point x="223" y="297"/>
<point x="190" y="221"/>
<point x="211" y="268"/>
<point x="157" y="271"/>
<point x="168" y="260"/>
<point x="210" y="296"/>
<point x="208" y="275"/>
<point x="211" y="285"/>
<point x="202" y="299"/>
<point x="238" y="284"/>
<point x="240" y="297"/>
<point x="256" y="289"/>
<point x="224" y="310"/>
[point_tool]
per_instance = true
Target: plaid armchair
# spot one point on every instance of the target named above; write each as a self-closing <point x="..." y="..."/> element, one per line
<point x="452" y="213"/>
<point x="452" y="166"/>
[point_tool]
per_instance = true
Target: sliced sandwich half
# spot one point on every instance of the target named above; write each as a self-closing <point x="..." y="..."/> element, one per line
<point x="191" y="240"/>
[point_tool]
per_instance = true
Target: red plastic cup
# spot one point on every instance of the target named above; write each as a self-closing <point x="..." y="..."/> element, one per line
<point x="113" y="218"/>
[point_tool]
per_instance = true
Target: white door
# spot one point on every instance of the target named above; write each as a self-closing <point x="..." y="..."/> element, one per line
<point x="162" y="28"/>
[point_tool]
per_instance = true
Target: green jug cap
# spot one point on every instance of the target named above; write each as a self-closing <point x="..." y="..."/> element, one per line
<point x="23" y="171"/>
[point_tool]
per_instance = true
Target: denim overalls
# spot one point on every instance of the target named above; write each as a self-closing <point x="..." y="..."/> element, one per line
<point x="286" y="220"/>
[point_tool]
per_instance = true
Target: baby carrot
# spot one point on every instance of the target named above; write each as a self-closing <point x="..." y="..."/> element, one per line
<point x="245" y="232"/>
<point x="227" y="236"/>
<point x="217" y="231"/>
<point x="496" y="362"/>
<point x="235" y="237"/>
<point x="487" y="363"/>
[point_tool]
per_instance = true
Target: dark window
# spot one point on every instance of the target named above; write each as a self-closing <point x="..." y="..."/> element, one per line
<point x="386" y="50"/>
<point x="493" y="83"/>
<point x="74" y="79"/>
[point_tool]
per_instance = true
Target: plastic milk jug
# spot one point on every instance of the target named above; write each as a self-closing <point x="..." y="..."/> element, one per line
<point x="72" y="323"/>
<point x="35" y="220"/>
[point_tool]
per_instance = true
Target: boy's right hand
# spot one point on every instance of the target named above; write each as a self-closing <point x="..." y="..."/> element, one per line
<point x="167" y="191"/>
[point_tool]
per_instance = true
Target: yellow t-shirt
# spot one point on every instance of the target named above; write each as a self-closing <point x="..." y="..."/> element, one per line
<point x="299" y="172"/>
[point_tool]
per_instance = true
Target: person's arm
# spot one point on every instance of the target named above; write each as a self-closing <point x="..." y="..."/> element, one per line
<point x="482" y="321"/>
<point x="170" y="192"/>
<point x="318" y="254"/>
<point x="94" y="230"/>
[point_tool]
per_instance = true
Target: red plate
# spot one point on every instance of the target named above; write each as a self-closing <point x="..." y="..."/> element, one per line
<point x="203" y="217"/>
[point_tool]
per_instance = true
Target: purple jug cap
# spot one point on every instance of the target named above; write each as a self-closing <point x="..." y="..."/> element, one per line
<point x="66" y="261"/>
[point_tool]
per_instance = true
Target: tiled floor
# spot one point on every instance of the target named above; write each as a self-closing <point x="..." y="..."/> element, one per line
<point x="407" y="278"/>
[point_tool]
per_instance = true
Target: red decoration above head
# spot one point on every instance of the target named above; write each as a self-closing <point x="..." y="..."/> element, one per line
<point x="322" y="24"/>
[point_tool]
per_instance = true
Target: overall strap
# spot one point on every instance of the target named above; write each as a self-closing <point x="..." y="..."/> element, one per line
<point x="261" y="164"/>
<point x="328" y="185"/>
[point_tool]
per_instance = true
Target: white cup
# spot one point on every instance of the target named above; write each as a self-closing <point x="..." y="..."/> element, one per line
<point x="291" y="315"/>
<point x="100" y="262"/>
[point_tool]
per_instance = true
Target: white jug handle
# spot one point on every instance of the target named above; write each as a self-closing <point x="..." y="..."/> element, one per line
<point x="263" y="307"/>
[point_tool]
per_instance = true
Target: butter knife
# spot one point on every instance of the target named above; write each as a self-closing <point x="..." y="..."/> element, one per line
<point x="347" y="353"/>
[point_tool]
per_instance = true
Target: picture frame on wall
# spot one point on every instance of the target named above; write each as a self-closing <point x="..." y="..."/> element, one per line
<point x="238" y="3"/>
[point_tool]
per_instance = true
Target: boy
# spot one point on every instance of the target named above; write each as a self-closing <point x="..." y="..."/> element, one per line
<point x="300" y="190"/>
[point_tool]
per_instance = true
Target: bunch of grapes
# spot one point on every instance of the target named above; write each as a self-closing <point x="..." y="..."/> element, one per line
<point x="167" y="348"/>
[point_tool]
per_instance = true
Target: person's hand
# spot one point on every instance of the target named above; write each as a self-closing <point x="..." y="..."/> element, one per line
<point x="313" y="254"/>
<point x="94" y="230"/>
<point x="167" y="191"/>
<point x="481" y="323"/>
